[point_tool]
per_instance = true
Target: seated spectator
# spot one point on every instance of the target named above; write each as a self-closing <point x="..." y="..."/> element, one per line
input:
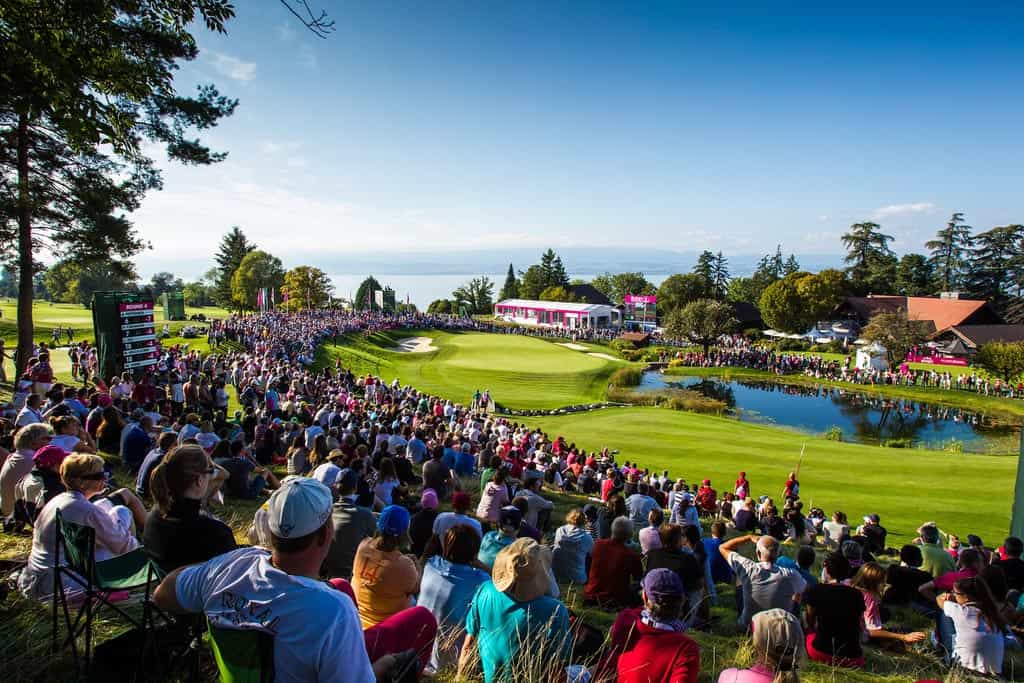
<point x="449" y="582"/>
<point x="684" y="513"/>
<point x="720" y="570"/>
<point x="136" y="441"/>
<point x="164" y="443"/>
<point x="614" y="566"/>
<point x="525" y="530"/>
<point x="572" y="549"/>
<point x="969" y="565"/>
<point x="671" y="555"/>
<point x="385" y="580"/>
<point x="650" y="535"/>
<point x="648" y="644"/>
<point x="27" y="442"/>
<point x="71" y="436"/>
<point x="1011" y="563"/>
<point x="493" y="498"/>
<point x="421" y="526"/>
<point x="904" y="579"/>
<point x="389" y="490"/>
<point x="246" y="480"/>
<point x="465" y="463"/>
<point x="108" y="434"/>
<point x="461" y="505"/>
<point x="509" y="521"/>
<point x="745" y="519"/>
<point x="38" y="487"/>
<point x="84" y="477"/>
<point x="539" y="507"/>
<point x="874" y="534"/>
<point x="438" y="476"/>
<point x="177" y="533"/>
<point x="613" y="508"/>
<point x="837" y="531"/>
<point x="765" y="584"/>
<point x="834" y="614"/>
<point x="935" y="560"/>
<point x="707" y="498"/>
<point x="352" y="524"/>
<point x="514" y="610"/>
<point x="978" y="626"/>
<point x="640" y="505"/>
<point x="316" y="629"/>
<point x="870" y="580"/>
<point x="778" y="644"/>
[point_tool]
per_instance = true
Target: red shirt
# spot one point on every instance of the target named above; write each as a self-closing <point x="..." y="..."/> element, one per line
<point x="606" y="488"/>
<point x="643" y="654"/>
<point x="945" y="582"/>
<point x="612" y="568"/>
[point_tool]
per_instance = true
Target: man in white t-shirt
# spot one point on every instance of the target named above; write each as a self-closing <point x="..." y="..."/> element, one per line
<point x="316" y="629"/>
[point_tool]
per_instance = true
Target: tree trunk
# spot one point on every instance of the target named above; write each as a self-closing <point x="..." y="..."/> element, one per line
<point x="25" y="326"/>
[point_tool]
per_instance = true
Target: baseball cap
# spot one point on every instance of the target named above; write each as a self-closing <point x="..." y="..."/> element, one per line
<point x="872" y="518"/>
<point x="299" y="507"/>
<point x="510" y="516"/>
<point x="327" y="474"/>
<point x="429" y="499"/>
<point x="50" y="456"/>
<point x="662" y="583"/>
<point x="393" y="520"/>
<point x="778" y="633"/>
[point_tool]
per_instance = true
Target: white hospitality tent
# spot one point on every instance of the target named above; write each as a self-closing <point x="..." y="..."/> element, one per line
<point x="570" y="315"/>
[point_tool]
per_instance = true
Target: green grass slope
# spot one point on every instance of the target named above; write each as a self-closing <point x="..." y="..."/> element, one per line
<point x="963" y="493"/>
<point x="520" y="372"/>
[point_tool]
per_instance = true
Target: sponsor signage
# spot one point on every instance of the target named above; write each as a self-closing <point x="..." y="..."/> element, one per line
<point x="641" y="299"/>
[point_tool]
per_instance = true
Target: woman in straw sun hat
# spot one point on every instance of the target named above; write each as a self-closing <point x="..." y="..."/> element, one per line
<point x="512" y="611"/>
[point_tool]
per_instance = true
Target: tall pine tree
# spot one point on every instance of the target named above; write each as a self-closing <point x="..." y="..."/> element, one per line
<point x="720" y="276"/>
<point x="705" y="270"/>
<point x="510" y="290"/>
<point x="993" y="269"/>
<point x="233" y="248"/>
<point x="949" y="252"/>
<point x="872" y="265"/>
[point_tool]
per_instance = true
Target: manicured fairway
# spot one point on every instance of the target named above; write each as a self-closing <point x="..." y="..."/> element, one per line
<point x="964" y="494"/>
<point x="520" y="372"/>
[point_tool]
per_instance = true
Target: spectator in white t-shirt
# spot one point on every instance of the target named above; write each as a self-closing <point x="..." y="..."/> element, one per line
<point x="316" y="629"/>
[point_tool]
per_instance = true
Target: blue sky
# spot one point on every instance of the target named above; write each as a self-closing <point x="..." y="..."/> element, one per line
<point x="450" y="126"/>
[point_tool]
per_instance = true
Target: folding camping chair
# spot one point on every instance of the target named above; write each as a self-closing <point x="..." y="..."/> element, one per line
<point x="134" y="570"/>
<point x="243" y="655"/>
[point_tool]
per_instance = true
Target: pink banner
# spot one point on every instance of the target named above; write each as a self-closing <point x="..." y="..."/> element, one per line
<point x="641" y="299"/>
<point x="936" y="360"/>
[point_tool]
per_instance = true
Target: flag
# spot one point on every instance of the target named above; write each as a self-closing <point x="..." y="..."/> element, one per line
<point x="259" y="299"/>
<point x="273" y="295"/>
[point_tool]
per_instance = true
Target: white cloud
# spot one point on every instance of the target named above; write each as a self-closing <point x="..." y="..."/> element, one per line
<point x="233" y="67"/>
<point x="894" y="210"/>
<point x="275" y="146"/>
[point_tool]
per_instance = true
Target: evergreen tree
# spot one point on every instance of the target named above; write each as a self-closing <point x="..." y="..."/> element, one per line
<point x="233" y="248"/>
<point x="559" y="278"/>
<point x="949" y="252"/>
<point x="510" y="290"/>
<point x="705" y="270"/>
<point x="992" y="272"/>
<point x="364" y="300"/>
<point x="769" y="270"/>
<point x="792" y="265"/>
<point x="872" y="263"/>
<point x="914" y="276"/>
<point x="85" y="84"/>
<point x="720" y="277"/>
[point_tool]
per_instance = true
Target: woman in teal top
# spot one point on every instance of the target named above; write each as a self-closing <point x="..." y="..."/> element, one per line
<point x="494" y="541"/>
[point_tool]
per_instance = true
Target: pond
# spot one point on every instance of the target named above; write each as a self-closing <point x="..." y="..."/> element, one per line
<point x="863" y="418"/>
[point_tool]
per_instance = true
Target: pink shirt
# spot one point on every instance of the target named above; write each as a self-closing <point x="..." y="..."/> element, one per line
<point x="755" y="674"/>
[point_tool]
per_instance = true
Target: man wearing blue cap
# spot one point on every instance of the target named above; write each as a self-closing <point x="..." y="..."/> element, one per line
<point x="316" y="629"/>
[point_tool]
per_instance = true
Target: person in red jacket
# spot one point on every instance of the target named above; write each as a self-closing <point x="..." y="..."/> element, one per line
<point x="613" y="568"/>
<point x="707" y="498"/>
<point x="647" y="643"/>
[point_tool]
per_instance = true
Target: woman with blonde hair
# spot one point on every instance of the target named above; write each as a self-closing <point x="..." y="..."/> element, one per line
<point x="177" y="532"/>
<point x="27" y="441"/>
<point x="84" y="477"/>
<point x="870" y="580"/>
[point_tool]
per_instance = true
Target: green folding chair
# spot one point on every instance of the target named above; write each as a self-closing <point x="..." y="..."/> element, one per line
<point x="97" y="580"/>
<point x="242" y="655"/>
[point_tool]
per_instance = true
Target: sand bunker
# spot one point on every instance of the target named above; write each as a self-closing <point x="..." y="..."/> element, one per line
<point x="574" y="347"/>
<point x="603" y="355"/>
<point x="415" y="345"/>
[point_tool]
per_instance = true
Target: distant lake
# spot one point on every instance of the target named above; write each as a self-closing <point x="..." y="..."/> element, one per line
<point x="422" y="289"/>
<point x="864" y="418"/>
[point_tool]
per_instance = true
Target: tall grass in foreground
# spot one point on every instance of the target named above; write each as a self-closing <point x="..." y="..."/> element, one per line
<point x="674" y="399"/>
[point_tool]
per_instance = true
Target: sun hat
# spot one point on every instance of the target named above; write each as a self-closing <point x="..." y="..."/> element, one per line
<point x="521" y="570"/>
<point x="778" y="633"/>
<point x="662" y="583"/>
<point x="429" y="499"/>
<point x="393" y="520"/>
<point x="50" y="456"/>
<point x="299" y="507"/>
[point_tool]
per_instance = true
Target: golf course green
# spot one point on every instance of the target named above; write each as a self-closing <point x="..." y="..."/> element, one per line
<point x="520" y="372"/>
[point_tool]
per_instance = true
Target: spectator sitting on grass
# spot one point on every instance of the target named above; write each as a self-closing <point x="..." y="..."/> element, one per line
<point x="572" y="549"/>
<point x="614" y="566"/>
<point x="246" y="480"/>
<point x="778" y="650"/>
<point x="765" y="584"/>
<point x="509" y="521"/>
<point x="870" y="580"/>
<point x="834" y="614"/>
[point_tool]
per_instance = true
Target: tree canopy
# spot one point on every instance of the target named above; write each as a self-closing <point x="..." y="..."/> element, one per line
<point x="257" y="270"/>
<point x="702" y="321"/>
<point x="233" y="248"/>
<point x="306" y="287"/>
<point x="896" y="333"/>
<point x="476" y="296"/>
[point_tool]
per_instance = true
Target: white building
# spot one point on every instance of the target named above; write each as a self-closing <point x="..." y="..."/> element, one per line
<point x="557" y="314"/>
